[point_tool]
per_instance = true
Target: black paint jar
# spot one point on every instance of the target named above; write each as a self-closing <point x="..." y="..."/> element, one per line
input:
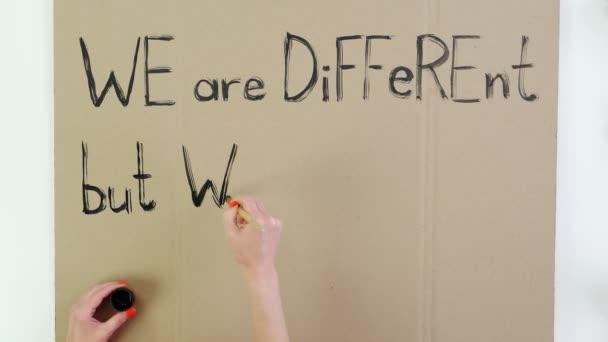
<point x="122" y="299"/>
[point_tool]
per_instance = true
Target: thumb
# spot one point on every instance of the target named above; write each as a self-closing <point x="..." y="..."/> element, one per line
<point x="111" y="325"/>
<point x="230" y="225"/>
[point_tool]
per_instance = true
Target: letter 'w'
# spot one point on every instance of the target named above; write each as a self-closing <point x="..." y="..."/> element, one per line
<point x="199" y="196"/>
<point x="112" y="81"/>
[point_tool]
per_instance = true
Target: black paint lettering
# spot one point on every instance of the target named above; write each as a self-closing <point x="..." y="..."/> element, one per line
<point x="504" y="78"/>
<point x="259" y="85"/>
<point x="368" y="56"/>
<point x="325" y="84"/>
<point x="199" y="196"/>
<point x="86" y="187"/>
<point x="522" y="68"/>
<point x="141" y="177"/>
<point x="340" y="66"/>
<point x="213" y="85"/>
<point x="420" y="66"/>
<point x="226" y="87"/>
<point x="155" y="70"/>
<point x="314" y="75"/>
<point x="394" y="77"/>
<point x="126" y="205"/>
<point x="112" y="82"/>
<point x="455" y="68"/>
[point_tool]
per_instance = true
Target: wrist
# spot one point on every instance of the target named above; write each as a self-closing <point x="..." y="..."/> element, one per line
<point x="261" y="277"/>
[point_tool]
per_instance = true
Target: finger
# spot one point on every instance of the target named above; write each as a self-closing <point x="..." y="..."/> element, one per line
<point x="92" y="290"/>
<point x="100" y="293"/>
<point x="248" y="203"/>
<point x="275" y="222"/>
<point x="262" y="208"/>
<point x="230" y="223"/>
<point x="116" y="321"/>
<point x="267" y="219"/>
<point x="87" y="296"/>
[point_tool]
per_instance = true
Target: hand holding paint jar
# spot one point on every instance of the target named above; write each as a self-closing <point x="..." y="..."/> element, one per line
<point x="85" y="327"/>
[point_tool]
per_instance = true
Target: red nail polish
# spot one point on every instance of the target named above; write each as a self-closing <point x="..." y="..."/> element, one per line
<point x="123" y="283"/>
<point x="234" y="204"/>
<point x="131" y="312"/>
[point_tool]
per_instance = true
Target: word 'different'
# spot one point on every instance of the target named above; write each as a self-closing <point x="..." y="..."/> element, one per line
<point x="103" y="199"/>
<point x="403" y="82"/>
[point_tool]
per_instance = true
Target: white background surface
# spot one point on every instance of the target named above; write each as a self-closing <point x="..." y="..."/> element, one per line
<point x="26" y="180"/>
<point x="26" y="188"/>
<point x="582" y="180"/>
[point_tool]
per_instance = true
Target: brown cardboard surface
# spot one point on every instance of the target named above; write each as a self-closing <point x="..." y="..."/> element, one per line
<point x="405" y="220"/>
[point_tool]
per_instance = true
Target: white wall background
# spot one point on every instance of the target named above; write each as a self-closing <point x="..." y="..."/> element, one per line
<point x="26" y="180"/>
<point x="582" y="195"/>
<point x="26" y="188"/>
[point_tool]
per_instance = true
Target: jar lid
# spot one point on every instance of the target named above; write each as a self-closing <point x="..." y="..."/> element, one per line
<point x="122" y="299"/>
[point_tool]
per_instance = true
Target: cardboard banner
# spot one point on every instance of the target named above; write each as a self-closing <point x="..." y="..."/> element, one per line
<point x="408" y="146"/>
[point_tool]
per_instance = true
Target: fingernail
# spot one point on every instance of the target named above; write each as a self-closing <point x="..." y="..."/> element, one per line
<point x="131" y="312"/>
<point x="124" y="283"/>
<point x="234" y="204"/>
